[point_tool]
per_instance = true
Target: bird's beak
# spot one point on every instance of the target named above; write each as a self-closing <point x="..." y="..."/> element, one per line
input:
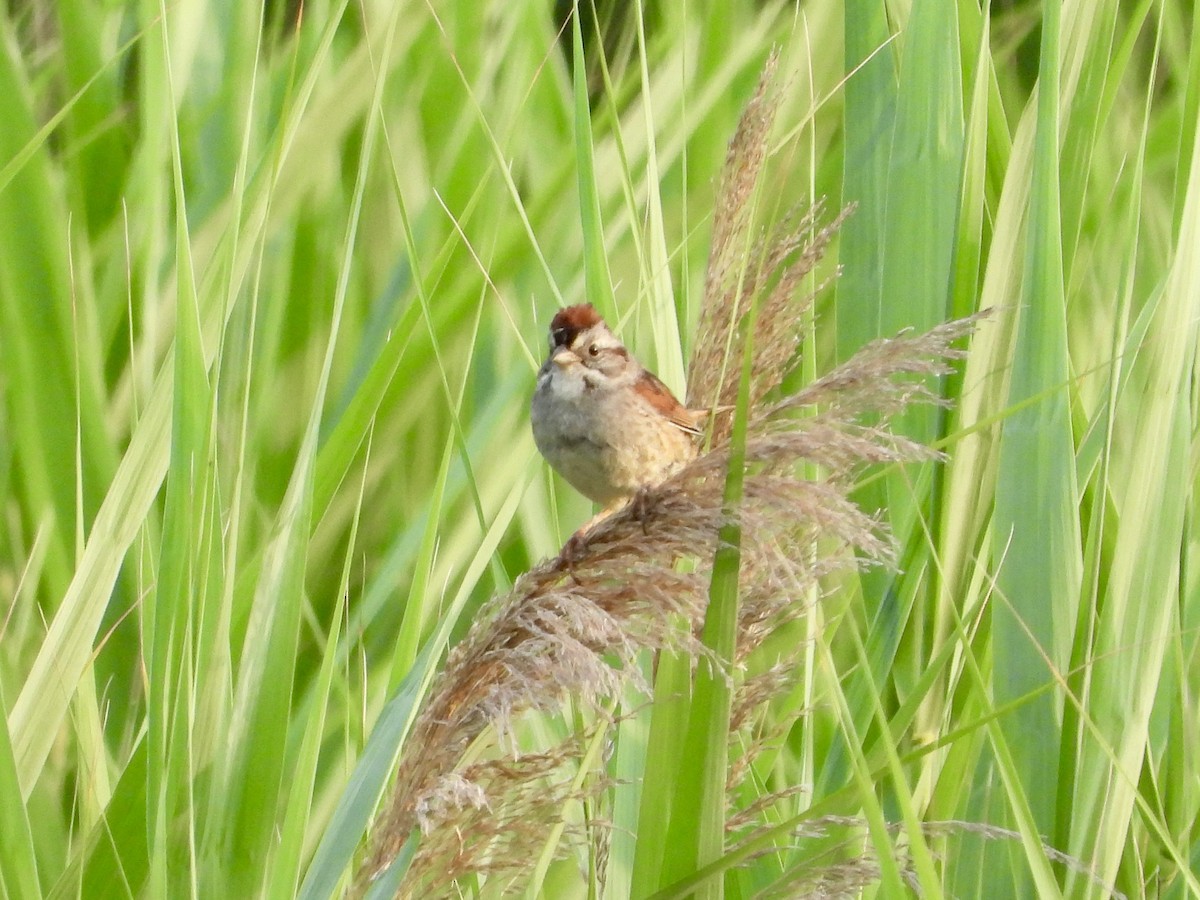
<point x="563" y="358"/>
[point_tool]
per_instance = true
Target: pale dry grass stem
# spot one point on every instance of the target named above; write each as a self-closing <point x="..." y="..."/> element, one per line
<point x="577" y="631"/>
<point x="841" y="861"/>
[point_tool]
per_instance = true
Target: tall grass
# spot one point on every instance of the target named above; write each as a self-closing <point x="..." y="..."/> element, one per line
<point x="273" y="285"/>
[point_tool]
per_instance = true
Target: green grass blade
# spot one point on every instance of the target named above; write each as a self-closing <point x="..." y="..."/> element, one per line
<point x="597" y="280"/>
<point x="631" y="761"/>
<point x="870" y="110"/>
<point x="699" y="807"/>
<point x="285" y="871"/>
<point x="375" y="765"/>
<point x="1036" y="495"/>
<point x="656" y="264"/>
<point x="182" y="564"/>
<point x="61" y="660"/>
<point x="18" y="862"/>
<point x="668" y="734"/>
<point x="335" y="853"/>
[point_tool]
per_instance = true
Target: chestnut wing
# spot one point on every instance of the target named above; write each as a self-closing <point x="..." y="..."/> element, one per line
<point x="659" y="396"/>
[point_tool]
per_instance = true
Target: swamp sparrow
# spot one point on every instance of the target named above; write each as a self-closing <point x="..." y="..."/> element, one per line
<point x="603" y="421"/>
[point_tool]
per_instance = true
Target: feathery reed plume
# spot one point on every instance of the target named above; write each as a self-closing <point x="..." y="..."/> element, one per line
<point x="577" y="630"/>
<point x="848" y="864"/>
<point x="744" y="266"/>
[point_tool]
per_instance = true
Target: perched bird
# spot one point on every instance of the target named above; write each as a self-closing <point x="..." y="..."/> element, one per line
<point x="602" y="420"/>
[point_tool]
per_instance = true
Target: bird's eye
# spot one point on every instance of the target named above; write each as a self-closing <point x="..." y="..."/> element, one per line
<point x="594" y="350"/>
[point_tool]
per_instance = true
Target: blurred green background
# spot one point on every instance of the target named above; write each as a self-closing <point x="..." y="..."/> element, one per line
<point x="273" y="285"/>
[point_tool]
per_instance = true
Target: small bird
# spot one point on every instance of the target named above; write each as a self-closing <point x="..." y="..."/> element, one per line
<point x="602" y="420"/>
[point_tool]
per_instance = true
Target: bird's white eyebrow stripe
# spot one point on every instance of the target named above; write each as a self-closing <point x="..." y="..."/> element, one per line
<point x="604" y="339"/>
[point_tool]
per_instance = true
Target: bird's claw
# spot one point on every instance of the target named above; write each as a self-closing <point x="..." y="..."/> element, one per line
<point x="641" y="506"/>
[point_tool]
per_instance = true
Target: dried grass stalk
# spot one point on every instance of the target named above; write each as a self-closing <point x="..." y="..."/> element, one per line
<point x="744" y="266"/>
<point x="577" y="632"/>
<point x="847" y="863"/>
